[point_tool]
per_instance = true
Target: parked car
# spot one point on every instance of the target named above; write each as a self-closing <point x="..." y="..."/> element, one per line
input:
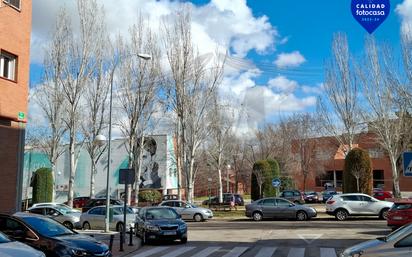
<point x="99" y="202"/>
<point x="274" y="207"/>
<point x="382" y="195"/>
<point x="67" y="217"/>
<point x="227" y="198"/>
<point x="400" y="214"/>
<point x="328" y="194"/>
<point x="311" y="197"/>
<point x="170" y="197"/>
<point x="294" y="196"/>
<point x="60" y="205"/>
<point x="49" y="236"/>
<point x="95" y="218"/>
<point x="342" y="206"/>
<point x="11" y="248"/>
<point x="80" y="202"/>
<point x="398" y="244"/>
<point x="160" y="223"/>
<point x="189" y="211"/>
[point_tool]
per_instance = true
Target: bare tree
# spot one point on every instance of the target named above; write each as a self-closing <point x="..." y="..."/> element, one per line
<point x="76" y="64"/>
<point x="260" y="179"/>
<point x="137" y="89"/>
<point x="339" y="108"/>
<point x="387" y="114"/>
<point x="220" y="128"/>
<point x="189" y="92"/>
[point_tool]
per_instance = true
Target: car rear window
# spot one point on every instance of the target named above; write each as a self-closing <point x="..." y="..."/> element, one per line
<point x="402" y="206"/>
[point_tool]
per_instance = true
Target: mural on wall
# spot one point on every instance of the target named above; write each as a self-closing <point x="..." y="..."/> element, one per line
<point x="158" y="171"/>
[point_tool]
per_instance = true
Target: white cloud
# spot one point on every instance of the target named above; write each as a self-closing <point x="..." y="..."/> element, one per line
<point x="283" y="84"/>
<point x="405" y="11"/>
<point x="228" y="23"/>
<point x="286" y="60"/>
<point x="317" y="90"/>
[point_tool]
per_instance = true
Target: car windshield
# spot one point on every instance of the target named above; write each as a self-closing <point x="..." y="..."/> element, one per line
<point x="402" y="206"/>
<point x="47" y="227"/>
<point x="4" y="239"/>
<point x="119" y="211"/>
<point x="398" y="233"/>
<point x="155" y="214"/>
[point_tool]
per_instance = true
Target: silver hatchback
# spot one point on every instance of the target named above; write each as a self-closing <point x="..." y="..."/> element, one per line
<point x="65" y="215"/>
<point x="95" y="218"/>
<point x="189" y="211"/>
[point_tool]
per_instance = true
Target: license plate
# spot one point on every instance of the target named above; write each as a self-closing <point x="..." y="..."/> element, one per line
<point x="169" y="233"/>
<point x="397" y="218"/>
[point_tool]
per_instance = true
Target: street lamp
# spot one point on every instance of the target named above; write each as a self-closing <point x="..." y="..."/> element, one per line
<point x="101" y="139"/>
<point x="227" y="178"/>
<point x="209" y="189"/>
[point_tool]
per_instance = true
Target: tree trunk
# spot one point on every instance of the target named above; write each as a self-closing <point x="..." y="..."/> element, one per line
<point x="139" y="171"/>
<point x="53" y="169"/>
<point x="72" y="168"/>
<point x="220" y="191"/>
<point x="395" y="177"/>
<point x="305" y="176"/>
<point x="357" y="185"/>
<point x="92" y="179"/>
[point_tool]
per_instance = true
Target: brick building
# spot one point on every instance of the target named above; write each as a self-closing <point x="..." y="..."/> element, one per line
<point x="15" y="27"/>
<point x="328" y="163"/>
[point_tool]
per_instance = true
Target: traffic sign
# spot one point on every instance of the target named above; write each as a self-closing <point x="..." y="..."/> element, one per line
<point x="126" y="176"/>
<point x="276" y="182"/>
<point x="407" y="164"/>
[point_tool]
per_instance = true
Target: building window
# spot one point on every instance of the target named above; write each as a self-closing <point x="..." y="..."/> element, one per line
<point x="8" y="64"/>
<point x="13" y="3"/>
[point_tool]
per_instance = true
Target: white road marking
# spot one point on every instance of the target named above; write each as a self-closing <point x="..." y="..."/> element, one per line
<point x="327" y="252"/>
<point x="151" y="251"/>
<point x="266" y="251"/>
<point x="179" y="251"/>
<point x="296" y="252"/>
<point x="206" y="252"/>
<point x="236" y="252"/>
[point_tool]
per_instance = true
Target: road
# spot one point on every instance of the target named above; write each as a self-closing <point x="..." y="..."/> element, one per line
<point x="233" y="238"/>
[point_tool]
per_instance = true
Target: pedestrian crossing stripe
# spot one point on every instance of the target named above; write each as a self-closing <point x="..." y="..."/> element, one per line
<point x="165" y="251"/>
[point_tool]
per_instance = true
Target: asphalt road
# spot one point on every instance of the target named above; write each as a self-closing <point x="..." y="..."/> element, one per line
<point x="242" y="237"/>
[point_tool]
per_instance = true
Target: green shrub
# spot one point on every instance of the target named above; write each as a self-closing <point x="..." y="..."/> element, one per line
<point x="357" y="162"/>
<point x="42" y="184"/>
<point x="273" y="172"/>
<point x="152" y="196"/>
<point x="261" y="169"/>
<point x="286" y="183"/>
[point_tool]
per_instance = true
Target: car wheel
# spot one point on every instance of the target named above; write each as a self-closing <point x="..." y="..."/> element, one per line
<point x="341" y="214"/>
<point x="86" y="225"/>
<point x="183" y="240"/>
<point x="197" y="217"/>
<point x="301" y="216"/>
<point x="119" y="227"/>
<point x="257" y="216"/>
<point x="384" y="214"/>
<point x="68" y="224"/>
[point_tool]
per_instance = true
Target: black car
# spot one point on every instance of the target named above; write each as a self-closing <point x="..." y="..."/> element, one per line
<point x="49" y="236"/>
<point x="160" y="223"/>
<point x="311" y="197"/>
<point x="98" y="202"/>
<point x="227" y="198"/>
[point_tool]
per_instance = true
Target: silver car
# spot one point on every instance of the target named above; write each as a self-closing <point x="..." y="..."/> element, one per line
<point x="95" y="218"/>
<point x="11" y="248"/>
<point x="60" y="205"/>
<point x="66" y="216"/>
<point x="396" y="244"/>
<point x="274" y="208"/>
<point x="189" y="211"/>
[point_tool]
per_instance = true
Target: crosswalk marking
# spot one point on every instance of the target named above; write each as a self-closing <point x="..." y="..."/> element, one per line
<point x="206" y="252"/>
<point x="151" y="251"/>
<point x="236" y="252"/>
<point x="266" y="252"/>
<point x="179" y="251"/>
<point x="327" y="252"/>
<point x="296" y="252"/>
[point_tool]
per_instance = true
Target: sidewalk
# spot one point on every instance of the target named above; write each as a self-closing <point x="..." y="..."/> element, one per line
<point x="105" y="238"/>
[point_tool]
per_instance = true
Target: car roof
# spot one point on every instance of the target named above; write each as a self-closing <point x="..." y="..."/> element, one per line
<point x="350" y="194"/>
<point x="401" y="201"/>
<point x="156" y="207"/>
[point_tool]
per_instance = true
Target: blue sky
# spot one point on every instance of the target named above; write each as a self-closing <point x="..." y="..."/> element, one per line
<point x="257" y="31"/>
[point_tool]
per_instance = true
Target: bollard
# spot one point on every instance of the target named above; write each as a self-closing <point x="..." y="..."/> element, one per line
<point x="111" y="242"/>
<point x="131" y="237"/>
<point x="121" y="242"/>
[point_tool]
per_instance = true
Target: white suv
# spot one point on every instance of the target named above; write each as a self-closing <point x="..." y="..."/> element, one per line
<point x="342" y="206"/>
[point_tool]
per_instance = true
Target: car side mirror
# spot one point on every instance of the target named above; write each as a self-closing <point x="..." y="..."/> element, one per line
<point x="291" y="205"/>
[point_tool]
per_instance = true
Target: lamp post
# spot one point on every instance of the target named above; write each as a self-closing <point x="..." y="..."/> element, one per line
<point x="101" y="139"/>
<point x="209" y="189"/>
<point x="227" y="178"/>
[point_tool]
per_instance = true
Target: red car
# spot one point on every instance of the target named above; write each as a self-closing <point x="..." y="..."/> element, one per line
<point x="80" y="202"/>
<point x="400" y="213"/>
<point x="382" y="195"/>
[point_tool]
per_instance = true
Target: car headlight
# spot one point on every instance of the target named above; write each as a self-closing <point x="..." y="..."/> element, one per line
<point x="79" y="252"/>
<point x="152" y="228"/>
<point x="182" y="226"/>
<point x="351" y="254"/>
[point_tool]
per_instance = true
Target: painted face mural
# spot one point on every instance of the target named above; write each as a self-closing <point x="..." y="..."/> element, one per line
<point x="149" y="177"/>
